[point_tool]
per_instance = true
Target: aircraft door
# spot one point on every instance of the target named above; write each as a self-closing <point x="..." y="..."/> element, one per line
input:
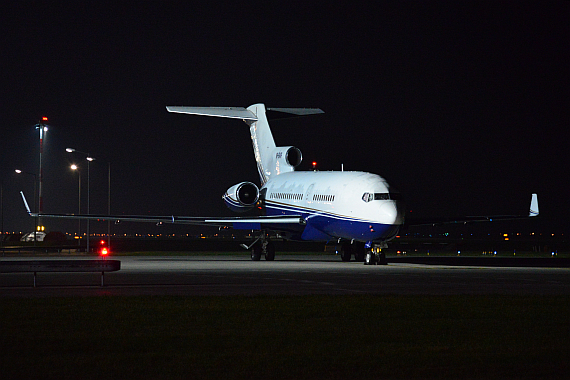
<point x="309" y="192"/>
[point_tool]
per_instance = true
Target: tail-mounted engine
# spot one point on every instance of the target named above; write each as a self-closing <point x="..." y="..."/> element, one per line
<point x="241" y="197"/>
<point x="286" y="158"/>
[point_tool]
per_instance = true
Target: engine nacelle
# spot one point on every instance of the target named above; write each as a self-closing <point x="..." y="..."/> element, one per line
<point x="286" y="158"/>
<point x="241" y="197"/>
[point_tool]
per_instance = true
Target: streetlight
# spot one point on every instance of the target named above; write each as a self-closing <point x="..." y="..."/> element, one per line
<point x="35" y="219"/>
<point x="76" y="168"/>
<point x="89" y="159"/>
<point x="42" y="127"/>
<point x="2" y="215"/>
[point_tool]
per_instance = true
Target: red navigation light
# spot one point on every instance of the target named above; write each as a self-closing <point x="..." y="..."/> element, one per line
<point x="314" y="164"/>
<point x="44" y="118"/>
<point x="102" y="242"/>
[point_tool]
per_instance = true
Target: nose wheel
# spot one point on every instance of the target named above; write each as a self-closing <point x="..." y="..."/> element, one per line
<point x="375" y="256"/>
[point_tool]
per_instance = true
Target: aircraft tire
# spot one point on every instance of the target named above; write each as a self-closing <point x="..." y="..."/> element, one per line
<point x="369" y="258"/>
<point x="269" y="251"/>
<point x="256" y="252"/>
<point x="359" y="253"/>
<point x="381" y="259"/>
<point x="345" y="252"/>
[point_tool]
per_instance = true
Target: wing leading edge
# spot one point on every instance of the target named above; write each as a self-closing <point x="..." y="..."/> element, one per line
<point x="253" y="222"/>
<point x="533" y="211"/>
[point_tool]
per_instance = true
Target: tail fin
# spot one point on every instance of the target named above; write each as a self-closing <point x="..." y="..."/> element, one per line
<point x="262" y="140"/>
<point x="271" y="160"/>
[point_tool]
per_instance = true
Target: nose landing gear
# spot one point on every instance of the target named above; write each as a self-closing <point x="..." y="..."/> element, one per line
<point x="375" y="256"/>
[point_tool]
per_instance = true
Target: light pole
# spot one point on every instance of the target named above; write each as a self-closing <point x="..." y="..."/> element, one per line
<point x="89" y="159"/>
<point x="35" y="198"/>
<point x="109" y="206"/>
<point x="76" y="168"/>
<point x="42" y="127"/>
<point x="2" y="215"/>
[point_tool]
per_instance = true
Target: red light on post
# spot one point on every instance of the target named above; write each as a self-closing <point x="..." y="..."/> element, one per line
<point x="314" y="165"/>
<point x="104" y="250"/>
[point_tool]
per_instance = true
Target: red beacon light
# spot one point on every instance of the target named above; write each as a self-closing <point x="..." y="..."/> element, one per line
<point x="314" y="165"/>
<point x="104" y="250"/>
<point x="44" y="118"/>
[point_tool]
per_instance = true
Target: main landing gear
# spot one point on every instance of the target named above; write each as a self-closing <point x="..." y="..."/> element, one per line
<point x="347" y="250"/>
<point x="261" y="246"/>
<point x="264" y="247"/>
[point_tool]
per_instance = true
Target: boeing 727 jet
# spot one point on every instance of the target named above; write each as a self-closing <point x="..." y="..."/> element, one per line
<point x="358" y="210"/>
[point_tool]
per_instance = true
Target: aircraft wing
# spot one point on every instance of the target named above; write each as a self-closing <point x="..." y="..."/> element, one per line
<point x="238" y="223"/>
<point x="474" y="219"/>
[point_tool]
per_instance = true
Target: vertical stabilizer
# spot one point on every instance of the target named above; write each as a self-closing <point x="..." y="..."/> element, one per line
<point x="271" y="160"/>
<point x="262" y="140"/>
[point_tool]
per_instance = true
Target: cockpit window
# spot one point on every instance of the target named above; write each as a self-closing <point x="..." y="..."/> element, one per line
<point x="367" y="197"/>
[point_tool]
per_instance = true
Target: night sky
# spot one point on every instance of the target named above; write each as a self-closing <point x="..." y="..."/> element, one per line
<point x="463" y="107"/>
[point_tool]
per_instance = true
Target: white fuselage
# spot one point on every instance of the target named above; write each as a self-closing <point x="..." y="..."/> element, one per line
<point x="336" y="204"/>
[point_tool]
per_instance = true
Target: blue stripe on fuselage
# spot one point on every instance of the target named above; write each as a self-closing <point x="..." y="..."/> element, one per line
<point x="321" y="225"/>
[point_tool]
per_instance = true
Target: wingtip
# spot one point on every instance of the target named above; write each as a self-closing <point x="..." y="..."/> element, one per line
<point x="25" y="203"/>
<point x="534" y="211"/>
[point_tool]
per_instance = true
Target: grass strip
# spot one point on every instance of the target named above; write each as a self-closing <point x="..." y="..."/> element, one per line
<point x="286" y="337"/>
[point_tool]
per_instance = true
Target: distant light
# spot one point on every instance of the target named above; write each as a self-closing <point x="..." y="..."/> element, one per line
<point x="74" y="167"/>
<point x="102" y="242"/>
<point x="90" y="159"/>
<point x="45" y="129"/>
<point x="69" y="150"/>
<point x="104" y="251"/>
<point x="44" y="118"/>
<point x="18" y="171"/>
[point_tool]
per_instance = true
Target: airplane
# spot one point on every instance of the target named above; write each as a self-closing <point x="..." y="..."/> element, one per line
<point x="359" y="211"/>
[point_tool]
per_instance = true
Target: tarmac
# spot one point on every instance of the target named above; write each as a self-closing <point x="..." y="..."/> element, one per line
<point x="237" y="275"/>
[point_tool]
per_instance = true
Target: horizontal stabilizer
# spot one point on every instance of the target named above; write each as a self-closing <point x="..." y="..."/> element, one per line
<point x="229" y="112"/>
<point x="243" y="113"/>
<point x="287" y="113"/>
<point x="298" y="111"/>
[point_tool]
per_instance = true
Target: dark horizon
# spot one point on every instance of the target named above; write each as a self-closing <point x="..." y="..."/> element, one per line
<point x="461" y="107"/>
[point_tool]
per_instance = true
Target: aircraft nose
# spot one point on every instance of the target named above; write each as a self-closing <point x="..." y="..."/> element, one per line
<point x="391" y="213"/>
